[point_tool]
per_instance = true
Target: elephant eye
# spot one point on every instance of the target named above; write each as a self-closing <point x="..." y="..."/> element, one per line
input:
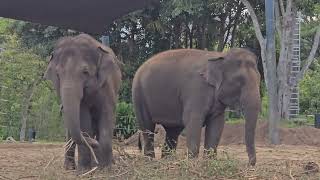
<point x="85" y="71"/>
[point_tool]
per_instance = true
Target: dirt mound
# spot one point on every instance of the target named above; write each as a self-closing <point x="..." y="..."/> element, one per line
<point x="234" y="134"/>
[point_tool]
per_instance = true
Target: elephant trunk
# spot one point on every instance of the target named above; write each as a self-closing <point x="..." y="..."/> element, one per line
<point x="251" y="104"/>
<point x="71" y="100"/>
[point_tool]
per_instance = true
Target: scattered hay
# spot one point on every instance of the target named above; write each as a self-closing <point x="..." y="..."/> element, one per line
<point x="10" y="140"/>
<point x="45" y="161"/>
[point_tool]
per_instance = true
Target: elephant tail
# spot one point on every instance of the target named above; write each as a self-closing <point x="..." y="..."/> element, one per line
<point x="139" y="141"/>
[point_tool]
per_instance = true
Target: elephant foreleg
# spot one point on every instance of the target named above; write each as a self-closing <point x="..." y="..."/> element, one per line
<point x="104" y="136"/>
<point x="69" y="160"/>
<point x="84" y="159"/>
<point x="214" y="128"/>
<point x="193" y="130"/>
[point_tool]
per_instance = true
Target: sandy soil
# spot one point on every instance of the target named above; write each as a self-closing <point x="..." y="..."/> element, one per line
<point x="298" y="154"/>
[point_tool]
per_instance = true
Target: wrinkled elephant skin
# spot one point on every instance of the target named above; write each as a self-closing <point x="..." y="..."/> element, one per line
<point x="188" y="89"/>
<point x="87" y="77"/>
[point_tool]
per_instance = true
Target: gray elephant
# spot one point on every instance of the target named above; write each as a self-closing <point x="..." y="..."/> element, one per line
<point x="188" y="89"/>
<point x="87" y="77"/>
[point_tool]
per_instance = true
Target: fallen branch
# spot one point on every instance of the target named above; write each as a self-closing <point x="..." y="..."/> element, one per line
<point x="68" y="142"/>
<point x="48" y="164"/>
<point x="290" y="174"/>
<point x="92" y="170"/>
<point x="90" y="148"/>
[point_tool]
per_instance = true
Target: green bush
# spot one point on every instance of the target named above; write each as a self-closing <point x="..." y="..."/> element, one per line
<point x="310" y="90"/>
<point x="125" y="120"/>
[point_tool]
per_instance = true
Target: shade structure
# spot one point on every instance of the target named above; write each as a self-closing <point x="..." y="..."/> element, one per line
<point x="91" y="16"/>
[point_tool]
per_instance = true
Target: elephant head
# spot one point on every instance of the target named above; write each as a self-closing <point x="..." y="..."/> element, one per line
<point x="78" y="68"/>
<point x="236" y="80"/>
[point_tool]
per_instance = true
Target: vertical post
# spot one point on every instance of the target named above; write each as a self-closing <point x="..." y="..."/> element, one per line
<point x="105" y="40"/>
<point x="274" y="116"/>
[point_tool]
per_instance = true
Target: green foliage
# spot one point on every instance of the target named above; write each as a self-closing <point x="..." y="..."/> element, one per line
<point x="44" y="115"/>
<point x="38" y="38"/>
<point x="20" y="70"/>
<point x="125" y="120"/>
<point x="235" y="121"/>
<point x="310" y="90"/>
<point x="301" y="120"/>
<point x="211" y="24"/>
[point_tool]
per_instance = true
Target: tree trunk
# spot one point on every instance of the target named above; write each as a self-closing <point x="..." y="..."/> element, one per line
<point x="176" y="35"/>
<point x="191" y="37"/>
<point x="221" y="37"/>
<point x="270" y="72"/>
<point x="284" y="65"/>
<point x="25" y="109"/>
<point x="235" y="24"/>
<point x="277" y="76"/>
<point x="186" y="37"/>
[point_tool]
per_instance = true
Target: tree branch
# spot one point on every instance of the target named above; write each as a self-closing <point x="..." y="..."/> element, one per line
<point x="278" y="18"/>
<point x="255" y="23"/>
<point x="281" y="7"/>
<point x="311" y="56"/>
<point x="289" y="6"/>
<point x="259" y="36"/>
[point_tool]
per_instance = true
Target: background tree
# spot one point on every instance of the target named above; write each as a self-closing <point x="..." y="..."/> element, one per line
<point x="277" y="76"/>
<point x="202" y="24"/>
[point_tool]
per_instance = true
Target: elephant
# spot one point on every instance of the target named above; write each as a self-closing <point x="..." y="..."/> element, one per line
<point x="86" y="76"/>
<point x="187" y="89"/>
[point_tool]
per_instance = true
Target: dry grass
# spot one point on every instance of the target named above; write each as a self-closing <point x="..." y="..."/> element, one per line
<point x="44" y="161"/>
<point x="131" y="166"/>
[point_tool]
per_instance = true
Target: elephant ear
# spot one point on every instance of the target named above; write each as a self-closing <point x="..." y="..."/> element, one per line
<point x="106" y="61"/>
<point x="213" y="73"/>
<point x="51" y="74"/>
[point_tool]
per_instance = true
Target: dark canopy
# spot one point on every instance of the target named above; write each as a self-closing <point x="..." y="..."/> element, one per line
<point x="83" y="15"/>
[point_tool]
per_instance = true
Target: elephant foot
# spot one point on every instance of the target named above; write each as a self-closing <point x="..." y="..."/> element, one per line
<point x="165" y="153"/>
<point x="105" y="161"/>
<point x="252" y="161"/>
<point x="210" y="153"/>
<point x="69" y="165"/>
<point x="150" y="154"/>
<point x="84" y="170"/>
<point x="192" y="155"/>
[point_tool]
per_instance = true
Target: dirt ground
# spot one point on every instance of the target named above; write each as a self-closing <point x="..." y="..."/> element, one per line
<point x="297" y="158"/>
<point x="234" y="134"/>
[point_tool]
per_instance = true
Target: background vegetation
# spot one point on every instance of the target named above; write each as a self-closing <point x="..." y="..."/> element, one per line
<point x="202" y="24"/>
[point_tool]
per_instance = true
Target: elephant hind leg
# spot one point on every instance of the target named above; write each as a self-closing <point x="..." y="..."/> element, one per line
<point x="148" y="138"/>
<point x="170" y="145"/>
<point x="145" y="123"/>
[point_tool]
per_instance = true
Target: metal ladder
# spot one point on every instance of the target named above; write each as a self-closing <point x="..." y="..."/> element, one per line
<point x="295" y="69"/>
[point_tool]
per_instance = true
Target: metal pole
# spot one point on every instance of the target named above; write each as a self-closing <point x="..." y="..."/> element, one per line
<point x="274" y="116"/>
<point x="269" y="8"/>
